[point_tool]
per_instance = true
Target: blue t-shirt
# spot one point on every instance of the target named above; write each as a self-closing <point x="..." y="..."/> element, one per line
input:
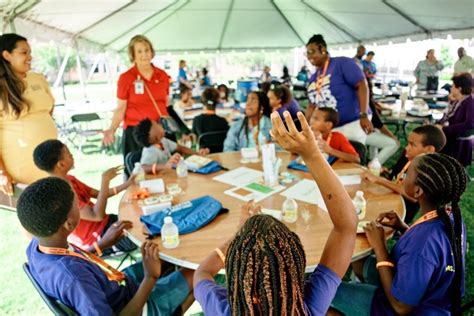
<point x="292" y="107"/>
<point x="424" y="271"/>
<point x="338" y="89"/>
<point x="182" y="74"/>
<point x="154" y="154"/>
<point x="78" y="283"/>
<point x="236" y="138"/>
<point x="319" y="290"/>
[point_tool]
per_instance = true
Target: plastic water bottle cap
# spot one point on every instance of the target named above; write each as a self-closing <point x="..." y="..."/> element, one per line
<point x="358" y="193"/>
<point x="168" y="220"/>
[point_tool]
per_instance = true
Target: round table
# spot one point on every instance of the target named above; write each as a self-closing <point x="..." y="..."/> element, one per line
<point x="313" y="232"/>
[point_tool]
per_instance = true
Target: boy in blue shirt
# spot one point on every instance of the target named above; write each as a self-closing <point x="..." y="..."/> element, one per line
<point x="82" y="281"/>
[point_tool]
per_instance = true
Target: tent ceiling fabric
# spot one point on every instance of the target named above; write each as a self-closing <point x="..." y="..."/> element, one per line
<point x="185" y="25"/>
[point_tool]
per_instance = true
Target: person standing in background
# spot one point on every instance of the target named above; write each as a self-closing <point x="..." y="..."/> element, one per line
<point x="183" y="76"/>
<point x="359" y="55"/>
<point x="428" y="68"/>
<point x="135" y="89"/>
<point x="465" y="63"/>
<point x="370" y="69"/>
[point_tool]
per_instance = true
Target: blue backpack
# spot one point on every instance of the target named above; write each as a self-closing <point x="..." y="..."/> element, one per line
<point x="188" y="216"/>
<point x="294" y="164"/>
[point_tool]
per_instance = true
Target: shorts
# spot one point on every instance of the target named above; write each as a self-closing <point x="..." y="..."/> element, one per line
<point x="168" y="293"/>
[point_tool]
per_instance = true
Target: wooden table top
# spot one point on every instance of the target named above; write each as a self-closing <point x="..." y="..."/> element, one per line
<point x="194" y="247"/>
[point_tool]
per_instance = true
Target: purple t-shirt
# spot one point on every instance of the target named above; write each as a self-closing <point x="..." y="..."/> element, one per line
<point x="292" y="107"/>
<point x="338" y="89"/>
<point x="320" y="289"/>
<point x="79" y="284"/>
<point x="424" y="255"/>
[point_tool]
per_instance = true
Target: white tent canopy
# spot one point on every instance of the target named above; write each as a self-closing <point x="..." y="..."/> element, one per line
<point x="186" y="25"/>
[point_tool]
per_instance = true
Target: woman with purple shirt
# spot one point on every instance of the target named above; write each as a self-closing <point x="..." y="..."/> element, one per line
<point x="265" y="261"/>
<point x="424" y="273"/>
<point x="339" y="83"/>
<point x="459" y="120"/>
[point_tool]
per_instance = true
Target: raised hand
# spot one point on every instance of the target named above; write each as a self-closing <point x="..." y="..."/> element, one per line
<point x="302" y="143"/>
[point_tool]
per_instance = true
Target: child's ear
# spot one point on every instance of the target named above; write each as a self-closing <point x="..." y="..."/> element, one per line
<point x="430" y="149"/>
<point x="418" y="192"/>
<point x="69" y="224"/>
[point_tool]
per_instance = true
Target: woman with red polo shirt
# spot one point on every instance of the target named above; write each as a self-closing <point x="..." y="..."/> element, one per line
<point x="135" y="89"/>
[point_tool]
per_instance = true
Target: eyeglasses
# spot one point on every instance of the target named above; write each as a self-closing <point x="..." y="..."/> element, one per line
<point x="310" y="52"/>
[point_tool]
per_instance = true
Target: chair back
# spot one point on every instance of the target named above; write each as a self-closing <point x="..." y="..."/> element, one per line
<point x="361" y="150"/>
<point x="212" y="140"/>
<point x="130" y="159"/>
<point x="54" y="305"/>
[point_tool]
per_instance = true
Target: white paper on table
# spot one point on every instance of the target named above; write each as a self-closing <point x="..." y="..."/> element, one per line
<point x="240" y="177"/>
<point x="150" y="209"/>
<point x="249" y="192"/>
<point x="350" y="179"/>
<point x="153" y="186"/>
<point x="306" y="191"/>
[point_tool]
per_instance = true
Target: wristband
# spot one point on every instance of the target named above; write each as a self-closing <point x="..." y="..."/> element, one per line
<point x="114" y="189"/>
<point x="97" y="249"/>
<point x="220" y="254"/>
<point x="363" y="115"/>
<point x="384" y="264"/>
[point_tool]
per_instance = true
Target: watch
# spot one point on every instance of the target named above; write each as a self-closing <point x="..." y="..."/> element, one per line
<point x="363" y="115"/>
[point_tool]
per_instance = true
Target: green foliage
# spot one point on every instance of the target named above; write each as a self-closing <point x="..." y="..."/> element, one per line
<point x="446" y="56"/>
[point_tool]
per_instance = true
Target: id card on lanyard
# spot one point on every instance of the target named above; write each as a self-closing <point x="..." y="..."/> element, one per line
<point x="139" y="86"/>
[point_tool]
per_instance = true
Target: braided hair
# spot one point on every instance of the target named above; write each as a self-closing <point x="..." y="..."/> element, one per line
<point x="443" y="180"/>
<point x="264" y="109"/>
<point x="265" y="267"/>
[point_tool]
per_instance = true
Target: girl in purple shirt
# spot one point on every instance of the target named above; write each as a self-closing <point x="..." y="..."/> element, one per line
<point x="424" y="273"/>
<point x="265" y="261"/>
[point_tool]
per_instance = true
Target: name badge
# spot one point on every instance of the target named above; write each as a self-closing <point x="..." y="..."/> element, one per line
<point x="139" y="87"/>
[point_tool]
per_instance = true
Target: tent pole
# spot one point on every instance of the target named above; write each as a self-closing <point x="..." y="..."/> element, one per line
<point x="58" y="63"/>
<point x="79" y="70"/>
<point x="407" y="17"/>
<point x="63" y="67"/>
<point x="287" y="22"/>
<point x="333" y="23"/>
<point x="94" y="66"/>
<point x="226" y="22"/>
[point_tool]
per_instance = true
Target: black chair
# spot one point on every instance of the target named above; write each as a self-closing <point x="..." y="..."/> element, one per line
<point x="130" y="159"/>
<point x="54" y="305"/>
<point x="361" y="150"/>
<point x="84" y="126"/>
<point x="212" y="140"/>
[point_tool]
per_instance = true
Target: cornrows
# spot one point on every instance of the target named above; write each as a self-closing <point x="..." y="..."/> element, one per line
<point x="265" y="266"/>
<point x="443" y="180"/>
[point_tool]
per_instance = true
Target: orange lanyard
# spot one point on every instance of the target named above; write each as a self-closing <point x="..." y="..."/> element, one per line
<point x="160" y="146"/>
<point x="111" y="273"/>
<point x="430" y="215"/>
<point x="402" y="173"/>
<point x="319" y="81"/>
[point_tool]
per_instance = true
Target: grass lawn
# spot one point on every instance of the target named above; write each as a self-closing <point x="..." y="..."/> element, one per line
<point x="20" y="298"/>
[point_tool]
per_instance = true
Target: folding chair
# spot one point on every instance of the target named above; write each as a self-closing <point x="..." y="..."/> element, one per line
<point x="130" y="159"/>
<point x="212" y="140"/>
<point x="84" y="126"/>
<point x="54" y="305"/>
<point x="361" y="150"/>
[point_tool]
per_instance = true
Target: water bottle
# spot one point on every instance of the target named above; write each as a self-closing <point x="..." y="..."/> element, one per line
<point x="169" y="234"/>
<point x="139" y="171"/>
<point x="181" y="169"/>
<point x="360" y="204"/>
<point x="290" y="210"/>
<point x="375" y="166"/>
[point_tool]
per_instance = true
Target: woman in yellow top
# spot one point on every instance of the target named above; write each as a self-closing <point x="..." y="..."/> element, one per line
<point x="25" y="118"/>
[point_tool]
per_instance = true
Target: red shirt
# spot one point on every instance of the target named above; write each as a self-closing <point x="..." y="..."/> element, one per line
<point x="140" y="106"/>
<point x="87" y="232"/>
<point x="341" y="143"/>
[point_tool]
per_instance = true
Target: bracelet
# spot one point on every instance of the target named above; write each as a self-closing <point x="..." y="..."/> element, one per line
<point x="220" y="254"/>
<point x="97" y="249"/>
<point x="384" y="264"/>
<point x="153" y="169"/>
<point x="114" y="189"/>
